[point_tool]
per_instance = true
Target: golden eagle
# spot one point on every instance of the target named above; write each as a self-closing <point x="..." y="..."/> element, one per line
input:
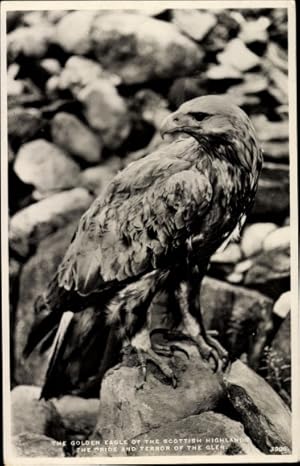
<point x="155" y="227"/>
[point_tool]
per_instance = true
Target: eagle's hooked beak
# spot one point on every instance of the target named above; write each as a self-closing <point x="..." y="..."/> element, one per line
<point x="177" y="122"/>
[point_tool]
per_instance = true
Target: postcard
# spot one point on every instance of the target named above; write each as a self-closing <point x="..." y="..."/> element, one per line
<point x="149" y="232"/>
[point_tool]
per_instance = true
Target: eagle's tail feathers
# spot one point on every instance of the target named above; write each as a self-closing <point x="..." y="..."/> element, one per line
<point x="57" y="348"/>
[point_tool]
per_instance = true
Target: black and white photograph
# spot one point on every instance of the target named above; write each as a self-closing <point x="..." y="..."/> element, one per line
<point x="149" y="232"/>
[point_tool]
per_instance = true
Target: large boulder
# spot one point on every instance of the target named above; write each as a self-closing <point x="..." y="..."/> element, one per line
<point x="272" y="200"/>
<point x="35" y="445"/>
<point x="207" y="433"/>
<point x="33" y="223"/>
<point x="73" y="136"/>
<point x="278" y="361"/>
<point x="79" y="414"/>
<point x="270" y="271"/>
<point x="30" y="414"/>
<point x="106" y="112"/>
<point x="126" y="411"/>
<point x="266" y="418"/>
<point x="31" y="41"/>
<point x="35" y="276"/>
<point x="194" y="23"/>
<point x="46" y="167"/>
<point x="72" y="32"/>
<point x="141" y="49"/>
<point x="242" y="317"/>
<point x="23" y="124"/>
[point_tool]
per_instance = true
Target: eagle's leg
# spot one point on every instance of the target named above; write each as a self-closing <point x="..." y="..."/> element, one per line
<point x="141" y="344"/>
<point x="192" y="320"/>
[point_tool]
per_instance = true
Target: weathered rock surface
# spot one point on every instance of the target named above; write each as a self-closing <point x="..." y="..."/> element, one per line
<point x="254" y="235"/>
<point x="29" y="414"/>
<point x="73" y="136"/>
<point x="205" y="427"/>
<point x="79" y="414"/>
<point x="194" y="23"/>
<point x="30" y="225"/>
<point x="46" y="167"/>
<point x="140" y="51"/>
<point x="106" y="112"/>
<point x="35" y="276"/>
<point x="125" y="412"/>
<point x="35" y="445"/>
<point x="266" y="419"/>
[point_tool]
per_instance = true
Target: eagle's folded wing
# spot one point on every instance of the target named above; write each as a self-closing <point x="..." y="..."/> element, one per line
<point x="146" y="214"/>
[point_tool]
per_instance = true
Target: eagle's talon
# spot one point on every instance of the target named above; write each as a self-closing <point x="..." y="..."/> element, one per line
<point x="149" y="355"/>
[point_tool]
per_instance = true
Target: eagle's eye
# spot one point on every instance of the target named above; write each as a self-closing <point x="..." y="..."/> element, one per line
<point x="199" y="116"/>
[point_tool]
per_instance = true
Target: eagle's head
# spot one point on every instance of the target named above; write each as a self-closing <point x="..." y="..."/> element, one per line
<point x="206" y="117"/>
<point x="213" y="120"/>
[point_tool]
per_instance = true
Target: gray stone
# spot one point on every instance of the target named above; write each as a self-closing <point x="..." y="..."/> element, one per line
<point x="15" y="87"/>
<point x="236" y="54"/>
<point x="77" y="73"/>
<point x="30" y="41"/>
<point x="106" y="112"/>
<point x="29" y="414"/>
<point x="151" y="107"/>
<point x="46" y="167"/>
<point x="253" y="237"/>
<point x="270" y="272"/>
<point x="206" y="428"/>
<point x="79" y="414"/>
<point x="142" y="50"/>
<point x="149" y="10"/>
<point x="125" y="411"/>
<point x="73" y="31"/>
<point x="283" y="305"/>
<point x="255" y="31"/>
<point x="278" y="150"/>
<point x="51" y="66"/>
<point x="76" y="138"/>
<point x="272" y="200"/>
<point x="279" y="86"/>
<point x="254" y="83"/>
<point x="270" y="130"/>
<point x="194" y="23"/>
<point x="266" y="418"/>
<point x="242" y="317"/>
<point x="95" y="179"/>
<point x="219" y="72"/>
<point x="23" y="123"/>
<point x="34" y="445"/>
<point x="31" y="224"/>
<point x="279" y="238"/>
<point x="278" y="360"/>
<point x="230" y="255"/>
<point x="36" y="274"/>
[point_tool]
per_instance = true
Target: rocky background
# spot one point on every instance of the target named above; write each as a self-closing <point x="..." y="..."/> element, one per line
<point x="87" y="91"/>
